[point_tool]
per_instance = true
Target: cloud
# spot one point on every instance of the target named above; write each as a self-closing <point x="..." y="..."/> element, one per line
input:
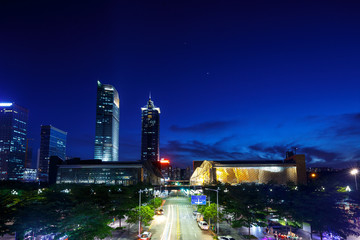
<point x="343" y="125"/>
<point x="312" y="154"/>
<point x="347" y="125"/>
<point x="205" y="126"/>
<point x="186" y="152"/>
<point x="327" y="140"/>
<point x="276" y="149"/>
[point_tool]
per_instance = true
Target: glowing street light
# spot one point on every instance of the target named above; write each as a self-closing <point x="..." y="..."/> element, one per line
<point x="355" y="172"/>
<point x="217" y="207"/>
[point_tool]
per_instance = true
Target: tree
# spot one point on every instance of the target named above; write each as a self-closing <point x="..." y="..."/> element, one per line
<point x="36" y="212"/>
<point x="86" y="222"/>
<point x="156" y="202"/>
<point x="7" y="210"/>
<point x="146" y="215"/>
<point x="322" y="209"/>
<point x="210" y="212"/>
<point x="247" y="204"/>
<point x="325" y="214"/>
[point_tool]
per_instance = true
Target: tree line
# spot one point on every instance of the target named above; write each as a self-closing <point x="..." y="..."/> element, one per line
<point x="80" y="212"/>
<point x="326" y="210"/>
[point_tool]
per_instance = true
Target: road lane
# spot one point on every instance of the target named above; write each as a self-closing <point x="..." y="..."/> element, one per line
<point x="188" y="223"/>
<point x="178" y="222"/>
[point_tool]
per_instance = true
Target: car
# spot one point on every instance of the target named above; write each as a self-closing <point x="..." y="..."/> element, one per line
<point x="145" y="236"/>
<point x="203" y="225"/>
<point x="226" y="238"/>
<point x="159" y="211"/>
<point x="195" y="213"/>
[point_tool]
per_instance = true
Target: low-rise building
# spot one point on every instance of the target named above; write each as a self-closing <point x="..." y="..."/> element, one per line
<point x="234" y="172"/>
<point x="78" y="171"/>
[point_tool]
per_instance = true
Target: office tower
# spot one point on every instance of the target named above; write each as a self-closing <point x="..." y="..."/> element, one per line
<point x="28" y="153"/>
<point x="107" y="123"/>
<point x="13" y="133"/>
<point x="52" y="143"/>
<point x="150" y="120"/>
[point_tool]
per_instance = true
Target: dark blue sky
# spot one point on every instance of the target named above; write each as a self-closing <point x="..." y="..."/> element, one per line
<point x="233" y="79"/>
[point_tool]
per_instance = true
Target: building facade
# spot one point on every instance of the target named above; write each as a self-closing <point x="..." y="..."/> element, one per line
<point x="13" y="134"/>
<point x="76" y="171"/>
<point x="150" y="132"/>
<point x="107" y="123"/>
<point x="251" y="171"/>
<point x="52" y="143"/>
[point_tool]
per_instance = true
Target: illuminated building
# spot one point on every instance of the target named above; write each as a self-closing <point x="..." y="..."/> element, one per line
<point x="76" y="171"/>
<point x="107" y="123"/>
<point x="150" y="121"/>
<point x="52" y="143"/>
<point x="291" y="169"/>
<point x="165" y="168"/>
<point x="13" y="133"/>
<point x="29" y="175"/>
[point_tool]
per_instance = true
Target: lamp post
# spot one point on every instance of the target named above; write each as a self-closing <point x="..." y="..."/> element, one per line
<point x="355" y="172"/>
<point x="140" y="191"/>
<point x="217" y="207"/>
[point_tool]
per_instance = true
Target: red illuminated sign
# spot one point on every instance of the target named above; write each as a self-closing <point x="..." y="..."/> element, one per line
<point x="164" y="161"/>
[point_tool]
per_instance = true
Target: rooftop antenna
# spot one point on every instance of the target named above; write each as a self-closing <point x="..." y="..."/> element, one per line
<point x="150" y="95"/>
<point x="295" y="148"/>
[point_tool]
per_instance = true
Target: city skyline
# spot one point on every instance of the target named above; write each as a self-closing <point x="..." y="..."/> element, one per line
<point x="262" y="86"/>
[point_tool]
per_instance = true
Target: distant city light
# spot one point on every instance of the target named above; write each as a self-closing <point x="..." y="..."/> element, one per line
<point x="6" y="104"/>
<point x="354" y="172"/>
<point x="313" y="175"/>
<point x="163" y="161"/>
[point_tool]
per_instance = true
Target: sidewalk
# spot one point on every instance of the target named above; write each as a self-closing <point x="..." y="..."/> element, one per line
<point x="128" y="234"/>
<point x="225" y="229"/>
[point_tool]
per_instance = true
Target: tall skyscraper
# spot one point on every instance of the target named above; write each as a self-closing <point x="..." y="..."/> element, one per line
<point x="13" y="133"/>
<point x="150" y="133"/>
<point x="52" y="143"/>
<point x="107" y="123"/>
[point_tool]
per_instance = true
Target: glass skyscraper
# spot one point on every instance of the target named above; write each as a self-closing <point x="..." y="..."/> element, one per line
<point x="13" y="131"/>
<point x="52" y="143"/>
<point x="107" y="123"/>
<point x="150" y="120"/>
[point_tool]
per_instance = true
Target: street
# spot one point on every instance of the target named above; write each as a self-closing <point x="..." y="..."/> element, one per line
<point x="178" y="222"/>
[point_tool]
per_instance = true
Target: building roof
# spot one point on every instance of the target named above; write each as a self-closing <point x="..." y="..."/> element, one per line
<point x="234" y="163"/>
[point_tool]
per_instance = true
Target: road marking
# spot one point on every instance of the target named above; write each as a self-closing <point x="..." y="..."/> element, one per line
<point x="172" y="212"/>
<point x="167" y="224"/>
<point x="178" y="224"/>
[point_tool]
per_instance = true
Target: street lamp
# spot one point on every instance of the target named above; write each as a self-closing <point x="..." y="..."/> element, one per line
<point x="140" y="191"/>
<point x="217" y="207"/>
<point x="355" y="172"/>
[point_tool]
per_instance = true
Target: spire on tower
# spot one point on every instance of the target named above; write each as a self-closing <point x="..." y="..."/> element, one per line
<point x="150" y="95"/>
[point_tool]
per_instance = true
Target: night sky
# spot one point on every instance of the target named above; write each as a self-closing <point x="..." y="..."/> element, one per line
<point x="233" y="79"/>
